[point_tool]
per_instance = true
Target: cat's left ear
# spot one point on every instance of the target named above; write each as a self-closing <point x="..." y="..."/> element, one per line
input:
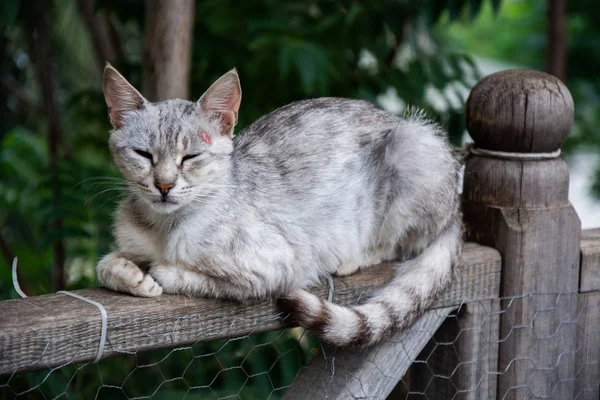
<point x="223" y="100"/>
<point x="121" y="97"/>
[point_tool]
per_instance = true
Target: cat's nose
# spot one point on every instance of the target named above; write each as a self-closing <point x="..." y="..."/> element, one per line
<point x="164" y="188"/>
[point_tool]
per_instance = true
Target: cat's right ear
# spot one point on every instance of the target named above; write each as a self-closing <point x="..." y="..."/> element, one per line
<point x="223" y="99"/>
<point x="120" y="96"/>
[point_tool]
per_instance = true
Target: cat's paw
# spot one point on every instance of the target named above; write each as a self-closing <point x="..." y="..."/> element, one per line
<point x="136" y="282"/>
<point x="122" y="275"/>
<point x="147" y="287"/>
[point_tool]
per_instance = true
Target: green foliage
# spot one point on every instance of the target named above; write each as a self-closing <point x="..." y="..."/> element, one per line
<point x="27" y="209"/>
<point x="486" y="36"/>
<point x="284" y="51"/>
<point x="525" y="47"/>
<point x="583" y="78"/>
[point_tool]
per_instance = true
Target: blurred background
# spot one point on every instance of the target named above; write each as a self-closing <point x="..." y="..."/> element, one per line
<point x="58" y="185"/>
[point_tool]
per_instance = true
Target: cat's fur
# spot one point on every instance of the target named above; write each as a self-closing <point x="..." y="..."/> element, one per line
<point x="316" y="187"/>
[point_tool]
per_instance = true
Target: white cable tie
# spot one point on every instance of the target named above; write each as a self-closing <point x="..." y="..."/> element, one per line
<point x="331" y="288"/>
<point x="104" y="320"/>
<point x="15" y="281"/>
<point x="513" y="156"/>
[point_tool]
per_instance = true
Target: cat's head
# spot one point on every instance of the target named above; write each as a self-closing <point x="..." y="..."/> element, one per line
<point x="174" y="152"/>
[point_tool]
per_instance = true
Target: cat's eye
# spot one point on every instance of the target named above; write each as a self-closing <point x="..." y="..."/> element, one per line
<point x="144" y="154"/>
<point x="189" y="157"/>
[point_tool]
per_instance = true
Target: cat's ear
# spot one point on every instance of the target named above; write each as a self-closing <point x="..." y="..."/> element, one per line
<point x="120" y="96"/>
<point x="223" y="99"/>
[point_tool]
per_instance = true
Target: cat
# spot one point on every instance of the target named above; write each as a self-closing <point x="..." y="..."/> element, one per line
<point x="317" y="187"/>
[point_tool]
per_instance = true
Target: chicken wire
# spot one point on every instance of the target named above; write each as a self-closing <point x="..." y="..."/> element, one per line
<point x="461" y="360"/>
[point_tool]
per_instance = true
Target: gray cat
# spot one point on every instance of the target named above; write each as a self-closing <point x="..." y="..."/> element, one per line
<point x="317" y="187"/>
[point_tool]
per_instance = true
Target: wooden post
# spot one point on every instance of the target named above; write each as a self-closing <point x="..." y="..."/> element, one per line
<point x="587" y="362"/>
<point x="515" y="199"/>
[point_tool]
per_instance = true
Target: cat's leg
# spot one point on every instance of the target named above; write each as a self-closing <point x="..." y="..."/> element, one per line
<point x="119" y="274"/>
<point x="178" y="280"/>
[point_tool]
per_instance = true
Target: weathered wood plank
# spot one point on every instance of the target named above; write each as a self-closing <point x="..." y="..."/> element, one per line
<point x="587" y="359"/>
<point x="371" y="373"/>
<point x="540" y="265"/>
<point x="46" y="331"/>
<point x="374" y="372"/>
<point x="590" y="260"/>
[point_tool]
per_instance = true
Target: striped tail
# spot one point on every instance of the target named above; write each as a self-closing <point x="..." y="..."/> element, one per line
<point x="396" y="306"/>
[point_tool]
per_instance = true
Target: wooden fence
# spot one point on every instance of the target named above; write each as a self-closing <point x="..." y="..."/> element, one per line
<point x="520" y="320"/>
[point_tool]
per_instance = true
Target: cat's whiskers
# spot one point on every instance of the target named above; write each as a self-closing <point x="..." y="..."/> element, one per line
<point x="122" y="190"/>
<point x="99" y="185"/>
<point x="100" y="178"/>
<point x="118" y="196"/>
<point x="112" y="183"/>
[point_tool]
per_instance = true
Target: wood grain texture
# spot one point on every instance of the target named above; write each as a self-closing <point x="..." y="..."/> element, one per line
<point x="46" y="331"/>
<point x="521" y="208"/>
<point x="587" y="364"/>
<point x="371" y="373"/>
<point x="540" y="256"/>
<point x="520" y="111"/>
<point x="590" y="260"/>
<point x="507" y="180"/>
<point x="536" y="230"/>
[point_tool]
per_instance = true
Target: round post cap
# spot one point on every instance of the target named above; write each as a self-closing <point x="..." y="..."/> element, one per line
<point x="520" y="111"/>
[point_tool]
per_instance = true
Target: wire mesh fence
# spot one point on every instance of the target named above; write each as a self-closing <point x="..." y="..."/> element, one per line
<point x="461" y="357"/>
<point x="255" y="367"/>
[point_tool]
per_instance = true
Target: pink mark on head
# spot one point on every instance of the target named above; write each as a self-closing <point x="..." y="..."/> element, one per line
<point x="206" y="138"/>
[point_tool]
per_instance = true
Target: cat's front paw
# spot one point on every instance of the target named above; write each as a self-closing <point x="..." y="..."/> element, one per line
<point x="122" y="275"/>
<point x="147" y="287"/>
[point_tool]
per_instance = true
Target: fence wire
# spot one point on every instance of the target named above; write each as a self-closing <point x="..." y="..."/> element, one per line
<point x="477" y="352"/>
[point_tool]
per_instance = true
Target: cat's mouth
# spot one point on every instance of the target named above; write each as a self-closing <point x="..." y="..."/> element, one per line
<point x="165" y="205"/>
<point x="165" y="201"/>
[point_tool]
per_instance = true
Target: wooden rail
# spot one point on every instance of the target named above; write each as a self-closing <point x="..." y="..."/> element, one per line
<point x="52" y="330"/>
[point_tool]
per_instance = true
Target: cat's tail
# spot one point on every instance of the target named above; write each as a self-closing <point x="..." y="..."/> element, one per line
<point x="396" y="306"/>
